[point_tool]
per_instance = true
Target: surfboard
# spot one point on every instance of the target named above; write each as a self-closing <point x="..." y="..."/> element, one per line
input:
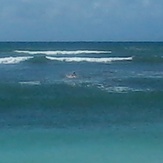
<point x="71" y="76"/>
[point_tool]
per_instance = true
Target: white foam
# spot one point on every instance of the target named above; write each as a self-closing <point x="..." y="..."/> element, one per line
<point x="82" y="59"/>
<point x="62" y="52"/>
<point x="117" y="89"/>
<point x="30" y="83"/>
<point x="120" y="89"/>
<point x="13" y="60"/>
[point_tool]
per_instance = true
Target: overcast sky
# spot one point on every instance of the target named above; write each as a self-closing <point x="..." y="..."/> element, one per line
<point x="81" y="20"/>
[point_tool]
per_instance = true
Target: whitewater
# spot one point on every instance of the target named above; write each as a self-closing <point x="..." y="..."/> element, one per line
<point x="58" y="52"/>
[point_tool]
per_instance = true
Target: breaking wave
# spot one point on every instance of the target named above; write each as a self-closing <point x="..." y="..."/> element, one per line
<point x="82" y="59"/>
<point x="13" y="60"/>
<point x="42" y="59"/>
<point x="62" y="52"/>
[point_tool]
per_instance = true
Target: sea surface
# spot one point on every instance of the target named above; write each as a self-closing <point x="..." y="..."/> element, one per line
<point x="110" y="112"/>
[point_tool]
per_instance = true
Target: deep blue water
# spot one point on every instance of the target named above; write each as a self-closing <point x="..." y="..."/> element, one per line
<point x="112" y="111"/>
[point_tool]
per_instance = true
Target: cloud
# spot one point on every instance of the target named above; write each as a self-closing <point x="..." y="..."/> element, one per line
<point x="74" y="9"/>
<point x="79" y="19"/>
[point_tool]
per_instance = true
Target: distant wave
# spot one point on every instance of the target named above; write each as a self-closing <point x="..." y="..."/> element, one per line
<point x="13" y="60"/>
<point x="62" y="52"/>
<point x="82" y="59"/>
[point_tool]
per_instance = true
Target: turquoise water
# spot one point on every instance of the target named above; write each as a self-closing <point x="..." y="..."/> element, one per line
<point x="111" y="112"/>
<point x="114" y="145"/>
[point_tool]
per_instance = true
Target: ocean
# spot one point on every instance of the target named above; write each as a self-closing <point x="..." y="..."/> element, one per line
<point x="111" y="111"/>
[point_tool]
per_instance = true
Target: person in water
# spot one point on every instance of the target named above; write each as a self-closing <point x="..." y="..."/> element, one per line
<point x="73" y="75"/>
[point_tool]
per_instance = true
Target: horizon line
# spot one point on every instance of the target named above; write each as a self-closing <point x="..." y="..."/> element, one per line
<point x="84" y="41"/>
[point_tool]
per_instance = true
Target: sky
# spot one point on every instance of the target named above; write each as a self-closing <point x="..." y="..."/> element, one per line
<point x="81" y="20"/>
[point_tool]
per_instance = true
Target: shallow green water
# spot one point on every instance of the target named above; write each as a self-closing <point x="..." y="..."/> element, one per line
<point x="119" y="145"/>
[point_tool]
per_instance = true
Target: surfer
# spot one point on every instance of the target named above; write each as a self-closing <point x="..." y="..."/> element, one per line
<point x="73" y="75"/>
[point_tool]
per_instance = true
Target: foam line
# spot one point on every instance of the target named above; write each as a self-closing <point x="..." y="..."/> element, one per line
<point x="13" y="60"/>
<point x="60" y="52"/>
<point x="30" y="83"/>
<point x="81" y="59"/>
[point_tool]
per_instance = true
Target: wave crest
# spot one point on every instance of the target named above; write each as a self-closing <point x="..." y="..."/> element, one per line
<point x="81" y="59"/>
<point x="62" y="52"/>
<point x="13" y="60"/>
